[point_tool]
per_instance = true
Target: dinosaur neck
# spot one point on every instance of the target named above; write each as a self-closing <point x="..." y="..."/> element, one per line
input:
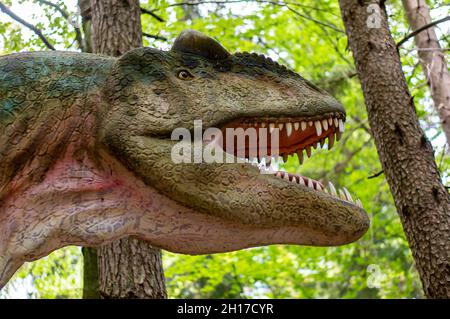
<point x="54" y="132"/>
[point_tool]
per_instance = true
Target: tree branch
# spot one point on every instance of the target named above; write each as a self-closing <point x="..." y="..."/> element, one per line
<point x="150" y="12"/>
<point x="153" y="36"/>
<point x="54" y="6"/>
<point x="38" y="32"/>
<point x="307" y="17"/>
<point x="260" y="1"/>
<point x="375" y="175"/>
<point x="78" y="35"/>
<point x="429" y="25"/>
<point x="287" y="5"/>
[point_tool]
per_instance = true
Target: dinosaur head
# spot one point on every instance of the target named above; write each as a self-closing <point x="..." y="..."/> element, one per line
<point x="87" y="153"/>
<point x="153" y="93"/>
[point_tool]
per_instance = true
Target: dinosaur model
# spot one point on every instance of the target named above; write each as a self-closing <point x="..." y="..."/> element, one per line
<point x="85" y="153"/>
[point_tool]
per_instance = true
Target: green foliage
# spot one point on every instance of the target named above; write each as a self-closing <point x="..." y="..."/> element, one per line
<point x="305" y="36"/>
<point x="57" y="276"/>
<point x="15" y="37"/>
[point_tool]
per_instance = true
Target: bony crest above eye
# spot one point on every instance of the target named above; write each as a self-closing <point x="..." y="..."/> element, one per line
<point x="184" y="75"/>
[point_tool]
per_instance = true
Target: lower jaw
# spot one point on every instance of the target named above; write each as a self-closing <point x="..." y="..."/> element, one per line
<point x="271" y="166"/>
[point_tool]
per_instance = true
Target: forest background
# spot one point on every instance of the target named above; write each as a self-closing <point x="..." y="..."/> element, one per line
<point x="308" y="37"/>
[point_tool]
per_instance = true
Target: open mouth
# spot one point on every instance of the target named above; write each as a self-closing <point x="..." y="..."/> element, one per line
<point x="295" y="136"/>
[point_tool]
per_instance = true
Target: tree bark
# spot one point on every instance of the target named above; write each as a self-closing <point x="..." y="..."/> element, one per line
<point x="405" y="153"/>
<point x="131" y="268"/>
<point x="432" y="59"/>
<point x="116" y="26"/>
<point x="128" y="268"/>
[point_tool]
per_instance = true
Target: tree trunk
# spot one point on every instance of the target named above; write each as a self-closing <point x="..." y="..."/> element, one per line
<point x="432" y="59"/>
<point x="128" y="268"/>
<point x="90" y="273"/>
<point x="131" y="268"/>
<point x="85" y="12"/>
<point x="405" y="153"/>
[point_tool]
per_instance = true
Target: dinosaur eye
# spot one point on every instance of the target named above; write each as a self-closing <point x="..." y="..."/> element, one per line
<point x="185" y="75"/>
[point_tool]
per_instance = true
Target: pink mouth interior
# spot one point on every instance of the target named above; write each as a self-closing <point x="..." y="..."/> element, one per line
<point x="302" y="135"/>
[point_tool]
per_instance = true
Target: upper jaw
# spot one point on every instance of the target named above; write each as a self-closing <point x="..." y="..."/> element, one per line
<point x="297" y="135"/>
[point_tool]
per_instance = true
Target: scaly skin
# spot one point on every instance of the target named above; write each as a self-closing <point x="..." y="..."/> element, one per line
<point x="85" y="154"/>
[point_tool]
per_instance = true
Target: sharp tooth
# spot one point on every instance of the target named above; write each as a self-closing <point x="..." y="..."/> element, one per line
<point x="263" y="124"/>
<point x="318" y="187"/>
<point x="285" y="157"/>
<point x="296" y="126"/>
<point x="280" y="126"/>
<point x="358" y="203"/>
<point x="301" y="181"/>
<point x="308" y="151"/>
<point x="303" y="124"/>
<point x="341" y="125"/>
<point x="330" y="141"/>
<point x="310" y="184"/>
<point x="338" y="135"/>
<point x="347" y="194"/>
<point x="310" y="123"/>
<point x="289" y="129"/>
<point x="294" y="179"/>
<point x="330" y="121"/>
<point x="325" y="125"/>
<point x="314" y="145"/>
<point x="318" y="128"/>
<point x="336" y="122"/>
<point x="300" y="156"/>
<point x="342" y="195"/>
<point x="332" y="189"/>
<point x="286" y="176"/>
<point x="322" y="142"/>
<point x="261" y="160"/>
<point x="278" y="175"/>
<point x="271" y="127"/>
